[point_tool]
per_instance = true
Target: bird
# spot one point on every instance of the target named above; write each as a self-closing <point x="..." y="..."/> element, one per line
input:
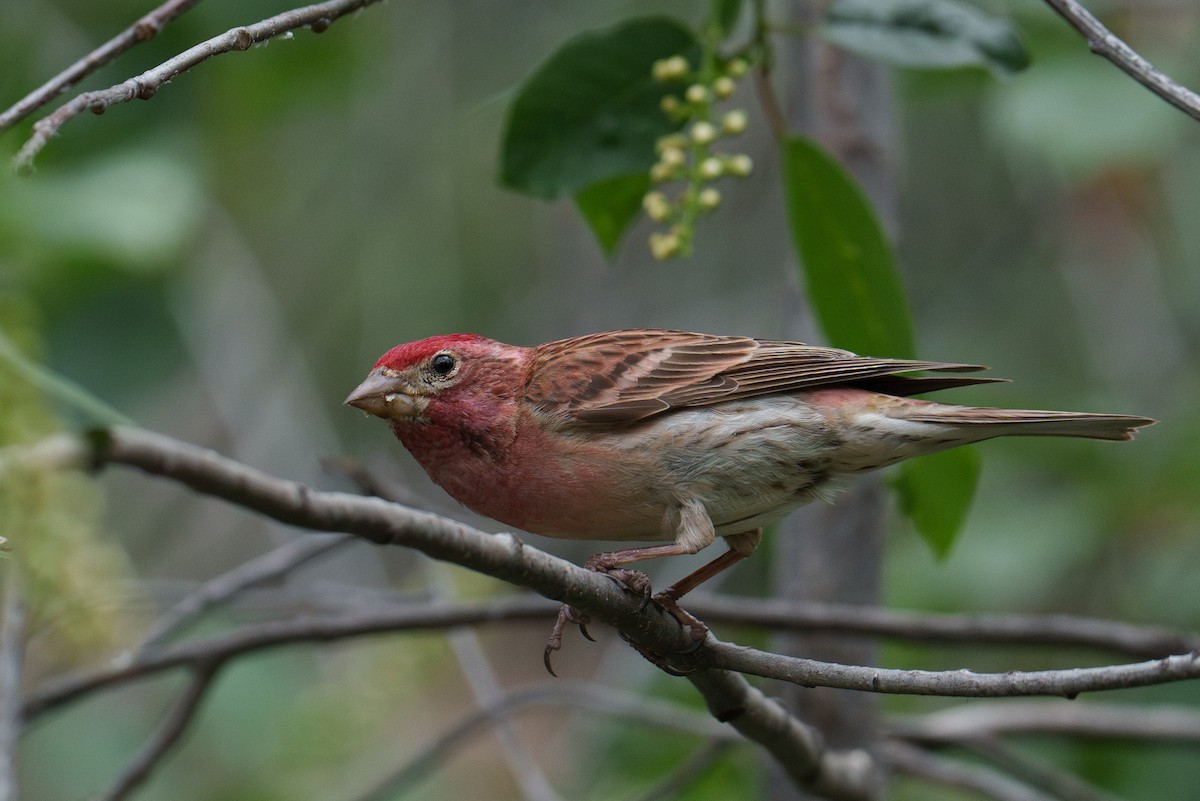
<point x="672" y="437"/>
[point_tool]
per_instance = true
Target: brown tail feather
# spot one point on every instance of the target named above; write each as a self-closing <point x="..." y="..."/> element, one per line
<point x="1028" y="423"/>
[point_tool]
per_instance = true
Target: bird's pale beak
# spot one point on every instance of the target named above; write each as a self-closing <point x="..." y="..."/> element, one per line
<point x="383" y="395"/>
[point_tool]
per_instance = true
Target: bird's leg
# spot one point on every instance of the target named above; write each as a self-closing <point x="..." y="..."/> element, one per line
<point x="693" y="531"/>
<point x="610" y="564"/>
<point x="740" y="546"/>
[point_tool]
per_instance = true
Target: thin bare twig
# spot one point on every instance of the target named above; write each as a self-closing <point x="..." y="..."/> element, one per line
<point x="1104" y="43"/>
<point x="317" y="17"/>
<point x="1060" y="784"/>
<point x="145" y="29"/>
<point x="951" y="724"/>
<point x="266" y="567"/>
<point x="273" y="634"/>
<point x="1057" y="630"/>
<point x="169" y="731"/>
<point x="920" y="764"/>
<point x="586" y="695"/>
<point x="1074" y="719"/>
<point x="955" y="683"/>
<point x="687" y="772"/>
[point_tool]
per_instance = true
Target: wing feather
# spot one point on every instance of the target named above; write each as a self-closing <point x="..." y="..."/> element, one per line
<point x="625" y="376"/>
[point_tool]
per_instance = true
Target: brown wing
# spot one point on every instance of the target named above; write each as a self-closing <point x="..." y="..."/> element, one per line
<point x="625" y="376"/>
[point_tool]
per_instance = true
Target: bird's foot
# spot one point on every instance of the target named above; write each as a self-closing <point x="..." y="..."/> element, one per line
<point x="633" y="581"/>
<point x="566" y="614"/>
<point x="693" y="629"/>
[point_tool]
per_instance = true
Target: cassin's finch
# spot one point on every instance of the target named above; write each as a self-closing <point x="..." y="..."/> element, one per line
<point x="669" y="435"/>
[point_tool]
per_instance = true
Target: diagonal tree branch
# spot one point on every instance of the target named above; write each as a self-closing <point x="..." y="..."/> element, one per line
<point x="1104" y="42"/>
<point x="1060" y="784"/>
<point x="268" y="566"/>
<point x="594" y="697"/>
<point x="799" y="749"/>
<point x="505" y="557"/>
<point x="687" y="772"/>
<point x="317" y="17"/>
<point x="502" y="556"/>
<point x="913" y="761"/>
<point x="145" y="29"/>
<point x="169" y="732"/>
<point x="713" y="669"/>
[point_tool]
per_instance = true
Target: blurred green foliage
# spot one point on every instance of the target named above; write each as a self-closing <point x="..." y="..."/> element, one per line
<point x="225" y="261"/>
<point x="926" y="34"/>
<point x="48" y="518"/>
<point x="592" y="111"/>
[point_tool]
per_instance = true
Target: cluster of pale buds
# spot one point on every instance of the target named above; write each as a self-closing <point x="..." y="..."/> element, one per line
<point x="689" y="155"/>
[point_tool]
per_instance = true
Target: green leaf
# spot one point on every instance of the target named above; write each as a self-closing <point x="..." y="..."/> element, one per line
<point x="591" y="111"/>
<point x="929" y="34"/>
<point x="609" y="206"/>
<point x="936" y="492"/>
<point x="858" y="298"/>
<point x="852" y="280"/>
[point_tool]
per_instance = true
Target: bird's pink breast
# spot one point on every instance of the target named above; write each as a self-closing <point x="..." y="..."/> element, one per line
<point x="546" y="483"/>
<point x="748" y="462"/>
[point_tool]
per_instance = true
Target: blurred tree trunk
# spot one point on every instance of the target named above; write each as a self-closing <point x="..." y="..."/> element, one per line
<point x="823" y="552"/>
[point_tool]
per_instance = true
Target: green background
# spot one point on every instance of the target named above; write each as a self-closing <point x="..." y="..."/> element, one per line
<point x="225" y="262"/>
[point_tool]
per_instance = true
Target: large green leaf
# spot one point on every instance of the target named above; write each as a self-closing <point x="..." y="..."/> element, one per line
<point x="591" y="112"/>
<point x="853" y="284"/>
<point x="609" y="206"/>
<point x="929" y="34"/>
<point x="936" y="493"/>
<point x="856" y="293"/>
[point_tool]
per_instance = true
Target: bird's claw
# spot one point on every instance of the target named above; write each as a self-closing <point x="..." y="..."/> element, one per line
<point x="633" y="581"/>
<point x="566" y="614"/>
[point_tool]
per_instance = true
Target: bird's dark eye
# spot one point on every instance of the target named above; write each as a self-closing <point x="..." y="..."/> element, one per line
<point x="442" y="364"/>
